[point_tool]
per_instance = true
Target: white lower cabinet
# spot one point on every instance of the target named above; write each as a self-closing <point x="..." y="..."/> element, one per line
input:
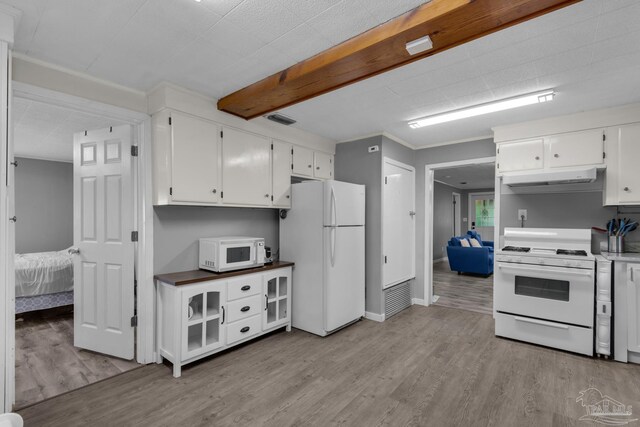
<point x="197" y="320"/>
<point x="633" y="305"/>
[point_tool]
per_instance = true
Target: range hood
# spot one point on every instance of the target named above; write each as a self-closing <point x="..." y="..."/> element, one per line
<point x="550" y="177"/>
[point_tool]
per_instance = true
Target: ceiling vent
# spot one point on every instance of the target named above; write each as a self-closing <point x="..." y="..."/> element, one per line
<point x="281" y="118"/>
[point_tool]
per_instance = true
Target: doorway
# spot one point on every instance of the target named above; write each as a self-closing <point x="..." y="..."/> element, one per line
<point x="58" y="135"/>
<point x="455" y="276"/>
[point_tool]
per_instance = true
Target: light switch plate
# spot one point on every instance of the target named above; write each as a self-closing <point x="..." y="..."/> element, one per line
<point x="521" y="213"/>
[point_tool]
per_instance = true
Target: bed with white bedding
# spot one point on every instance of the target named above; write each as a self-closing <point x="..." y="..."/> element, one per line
<point x="43" y="280"/>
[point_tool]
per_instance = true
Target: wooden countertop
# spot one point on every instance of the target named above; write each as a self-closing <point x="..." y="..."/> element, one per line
<point x="196" y="276"/>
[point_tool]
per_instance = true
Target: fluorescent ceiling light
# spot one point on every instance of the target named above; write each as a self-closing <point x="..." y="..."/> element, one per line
<point x="419" y="45"/>
<point x="491" y="107"/>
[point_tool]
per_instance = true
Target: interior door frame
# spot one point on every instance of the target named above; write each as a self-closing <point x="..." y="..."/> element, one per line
<point x="479" y="193"/>
<point x="429" y="175"/>
<point x="413" y="242"/>
<point x="145" y="307"/>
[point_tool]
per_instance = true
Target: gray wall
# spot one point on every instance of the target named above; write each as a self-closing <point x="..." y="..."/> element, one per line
<point x="354" y="164"/>
<point x="442" y="154"/>
<point x="44" y="205"/>
<point x="176" y="230"/>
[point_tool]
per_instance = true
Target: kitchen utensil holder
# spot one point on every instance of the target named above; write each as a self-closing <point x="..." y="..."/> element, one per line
<point x="616" y="244"/>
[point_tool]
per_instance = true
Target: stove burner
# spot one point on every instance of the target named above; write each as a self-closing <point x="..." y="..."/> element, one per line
<point x="516" y="249"/>
<point x="571" y="252"/>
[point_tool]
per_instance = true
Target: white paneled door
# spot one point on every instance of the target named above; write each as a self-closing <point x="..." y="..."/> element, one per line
<point x="103" y="248"/>
<point x="398" y="223"/>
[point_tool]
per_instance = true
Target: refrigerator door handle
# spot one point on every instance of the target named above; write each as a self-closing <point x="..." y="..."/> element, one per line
<point x="334" y="210"/>
<point x="333" y="246"/>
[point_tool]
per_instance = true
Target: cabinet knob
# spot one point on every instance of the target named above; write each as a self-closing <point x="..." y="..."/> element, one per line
<point x="266" y="195"/>
<point x="626" y="188"/>
<point x="245" y="288"/>
<point x="537" y="157"/>
<point x="309" y="166"/>
<point x="317" y="167"/>
<point x="214" y="191"/>
<point x="556" y="155"/>
<point x="245" y="329"/>
<point x="288" y="196"/>
<point x="245" y="308"/>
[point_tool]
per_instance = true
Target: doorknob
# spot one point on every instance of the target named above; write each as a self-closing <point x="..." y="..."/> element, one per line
<point x="13" y="219"/>
<point x="412" y="213"/>
<point x="74" y="251"/>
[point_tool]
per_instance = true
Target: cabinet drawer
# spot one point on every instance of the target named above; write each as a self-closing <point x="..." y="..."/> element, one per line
<point x="242" y="329"/>
<point x="243" y="308"/>
<point x="244" y="287"/>
<point x="550" y="334"/>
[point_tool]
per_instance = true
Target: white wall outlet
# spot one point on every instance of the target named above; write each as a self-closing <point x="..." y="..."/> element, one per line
<point x="374" y="148"/>
<point x="521" y="213"/>
<point x="465" y="219"/>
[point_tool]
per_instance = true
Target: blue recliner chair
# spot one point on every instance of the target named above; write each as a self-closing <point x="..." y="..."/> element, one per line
<point x="470" y="260"/>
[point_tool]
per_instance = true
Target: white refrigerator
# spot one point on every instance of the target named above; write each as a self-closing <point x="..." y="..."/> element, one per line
<point x="323" y="234"/>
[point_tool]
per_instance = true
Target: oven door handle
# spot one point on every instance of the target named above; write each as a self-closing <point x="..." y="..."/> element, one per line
<point x="541" y="322"/>
<point x="571" y="271"/>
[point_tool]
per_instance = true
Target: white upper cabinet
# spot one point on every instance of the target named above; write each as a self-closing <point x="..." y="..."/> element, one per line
<point x="281" y="173"/>
<point x="323" y="165"/>
<point x="194" y="173"/>
<point x="584" y="148"/>
<point x="200" y="162"/>
<point x="520" y="155"/>
<point x="622" y="178"/>
<point x="185" y="160"/>
<point x="246" y="177"/>
<point x="302" y="161"/>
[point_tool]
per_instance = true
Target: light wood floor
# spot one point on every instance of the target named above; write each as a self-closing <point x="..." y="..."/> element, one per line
<point x="464" y="291"/>
<point x="47" y="363"/>
<point x="426" y="366"/>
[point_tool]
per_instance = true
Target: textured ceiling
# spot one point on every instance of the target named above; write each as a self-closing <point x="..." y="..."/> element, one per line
<point x="476" y="177"/>
<point x="44" y="131"/>
<point x="589" y="52"/>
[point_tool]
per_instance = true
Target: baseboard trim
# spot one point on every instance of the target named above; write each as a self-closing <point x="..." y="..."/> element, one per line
<point x="445" y="259"/>
<point x="374" y="316"/>
<point x="418" y="301"/>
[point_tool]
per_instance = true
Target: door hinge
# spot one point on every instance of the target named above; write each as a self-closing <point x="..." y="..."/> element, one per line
<point x="604" y="155"/>
<point x="169" y="121"/>
<point x="134" y="151"/>
<point x="134" y="321"/>
<point x="291" y="166"/>
<point x="498" y="151"/>
<point x="498" y="166"/>
<point x="385" y="180"/>
<point x="385" y="259"/>
<point x="134" y="236"/>
<point x="222" y="194"/>
<point x="272" y="146"/>
<point x="221" y="134"/>
<point x="272" y="198"/>
<point x="604" y="136"/>
<point x="292" y="151"/>
<point x="171" y="191"/>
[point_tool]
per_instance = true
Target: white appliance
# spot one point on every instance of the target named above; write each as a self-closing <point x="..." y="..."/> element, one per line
<point x="568" y="176"/>
<point x="544" y="288"/>
<point x="323" y="233"/>
<point x="230" y="253"/>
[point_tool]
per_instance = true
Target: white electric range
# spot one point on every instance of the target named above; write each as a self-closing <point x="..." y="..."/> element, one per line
<point x="544" y="288"/>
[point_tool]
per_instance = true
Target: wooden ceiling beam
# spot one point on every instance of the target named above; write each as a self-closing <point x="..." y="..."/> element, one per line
<point x="449" y="23"/>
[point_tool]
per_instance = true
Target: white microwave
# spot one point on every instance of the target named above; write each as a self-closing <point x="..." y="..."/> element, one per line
<point x="221" y="254"/>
